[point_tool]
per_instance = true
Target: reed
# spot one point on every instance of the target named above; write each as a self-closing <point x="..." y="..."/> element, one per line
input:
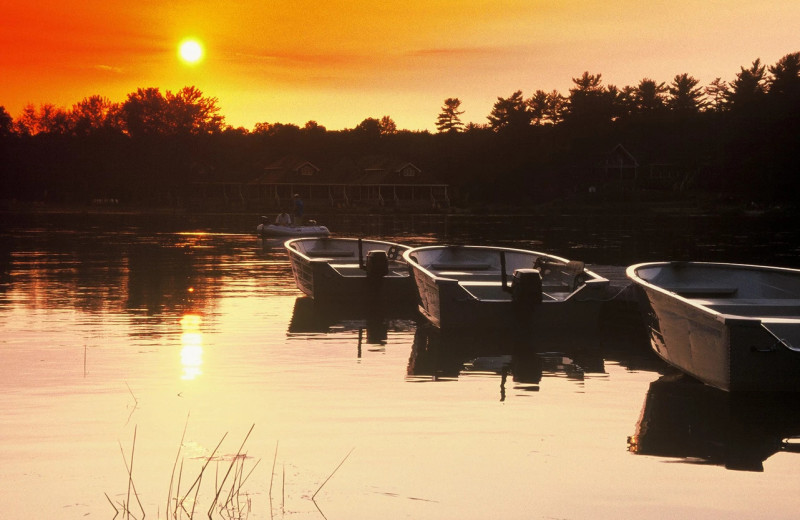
<point x="228" y="498"/>
<point x="182" y="502"/>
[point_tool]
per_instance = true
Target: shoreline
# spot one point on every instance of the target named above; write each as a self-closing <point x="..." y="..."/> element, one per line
<point x="706" y="209"/>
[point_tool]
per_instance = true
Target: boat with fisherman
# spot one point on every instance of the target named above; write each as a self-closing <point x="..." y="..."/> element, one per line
<point x="283" y="227"/>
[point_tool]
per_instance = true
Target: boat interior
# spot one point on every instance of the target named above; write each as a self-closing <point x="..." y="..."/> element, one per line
<point x="489" y="276"/>
<point x="349" y="258"/>
<point x="734" y="290"/>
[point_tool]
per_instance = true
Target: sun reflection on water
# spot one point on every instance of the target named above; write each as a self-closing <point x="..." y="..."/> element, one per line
<point x="192" y="347"/>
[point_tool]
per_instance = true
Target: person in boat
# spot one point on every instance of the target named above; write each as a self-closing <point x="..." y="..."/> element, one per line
<point x="283" y="219"/>
<point x="297" y="219"/>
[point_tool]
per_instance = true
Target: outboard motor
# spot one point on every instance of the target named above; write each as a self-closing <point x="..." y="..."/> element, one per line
<point x="377" y="264"/>
<point x="526" y="287"/>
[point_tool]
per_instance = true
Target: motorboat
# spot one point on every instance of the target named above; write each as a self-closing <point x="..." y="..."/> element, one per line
<point x="732" y="326"/>
<point x="283" y="227"/>
<point x="351" y="270"/>
<point x="462" y="287"/>
<point x="278" y="231"/>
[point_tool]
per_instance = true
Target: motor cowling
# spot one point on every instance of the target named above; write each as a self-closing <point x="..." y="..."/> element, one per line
<point x="526" y="287"/>
<point x="377" y="264"/>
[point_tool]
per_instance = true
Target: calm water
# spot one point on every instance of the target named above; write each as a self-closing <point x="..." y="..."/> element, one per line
<point x="161" y="342"/>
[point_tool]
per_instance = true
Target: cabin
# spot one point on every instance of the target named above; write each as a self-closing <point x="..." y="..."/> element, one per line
<point x="616" y="169"/>
<point x="371" y="181"/>
<point x="374" y="181"/>
<point x="621" y="165"/>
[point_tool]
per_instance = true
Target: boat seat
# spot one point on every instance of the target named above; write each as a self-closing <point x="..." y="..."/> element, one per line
<point x="703" y="292"/>
<point x="773" y="307"/>
<point x="471" y="276"/>
<point x="460" y="266"/>
<point x="328" y="253"/>
<point x="356" y="270"/>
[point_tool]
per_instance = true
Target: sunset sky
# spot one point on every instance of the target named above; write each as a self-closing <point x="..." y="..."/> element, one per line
<point x="339" y="62"/>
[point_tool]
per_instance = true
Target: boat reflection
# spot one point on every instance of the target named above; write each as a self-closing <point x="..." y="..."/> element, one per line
<point x="437" y="355"/>
<point x="685" y="419"/>
<point x="372" y="324"/>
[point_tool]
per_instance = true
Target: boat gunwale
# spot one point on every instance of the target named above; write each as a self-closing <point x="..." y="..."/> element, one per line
<point x="289" y="245"/>
<point x="702" y="303"/>
<point x="435" y="277"/>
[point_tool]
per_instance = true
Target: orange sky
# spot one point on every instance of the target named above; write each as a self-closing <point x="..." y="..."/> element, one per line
<point x="339" y="62"/>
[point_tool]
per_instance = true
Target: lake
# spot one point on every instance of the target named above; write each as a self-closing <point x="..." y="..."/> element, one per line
<point x="168" y="363"/>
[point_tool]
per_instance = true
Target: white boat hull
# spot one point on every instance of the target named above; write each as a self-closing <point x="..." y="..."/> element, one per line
<point x="462" y="288"/>
<point x="281" y="231"/>
<point x="734" y="327"/>
<point x="335" y="270"/>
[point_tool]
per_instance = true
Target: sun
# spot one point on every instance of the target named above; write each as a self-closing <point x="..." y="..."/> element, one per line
<point x="191" y="51"/>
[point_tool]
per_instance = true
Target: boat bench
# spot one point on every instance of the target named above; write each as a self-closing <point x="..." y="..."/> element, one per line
<point x="458" y="266"/>
<point x="775" y="307"/>
<point x="703" y="292"/>
<point x="328" y="253"/>
<point x="354" y="270"/>
<point x="472" y="277"/>
<point x="493" y="290"/>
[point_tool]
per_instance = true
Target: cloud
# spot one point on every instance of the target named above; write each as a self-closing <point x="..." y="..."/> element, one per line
<point x="108" y="68"/>
<point x="457" y="51"/>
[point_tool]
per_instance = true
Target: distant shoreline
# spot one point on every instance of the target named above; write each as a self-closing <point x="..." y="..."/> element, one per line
<point x="654" y="209"/>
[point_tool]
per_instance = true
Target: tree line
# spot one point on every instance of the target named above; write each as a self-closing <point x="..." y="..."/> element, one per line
<point x="739" y="137"/>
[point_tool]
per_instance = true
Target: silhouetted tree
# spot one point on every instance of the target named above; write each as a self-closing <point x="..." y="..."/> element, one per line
<point x="511" y="113"/>
<point x="387" y="126"/>
<point x="448" y="119"/>
<point x="312" y="127"/>
<point x="190" y="112"/>
<point x="589" y="103"/>
<point x="261" y="128"/>
<point x="92" y="114"/>
<point x="148" y="112"/>
<point x="283" y="130"/>
<point x="369" y="127"/>
<point x="144" y="113"/>
<point x="685" y="97"/>
<point x="6" y="122"/>
<point x="372" y="127"/>
<point x="784" y="80"/>
<point x="546" y="107"/>
<point x="749" y="87"/>
<point x="650" y="96"/>
<point x="717" y="92"/>
<point x="47" y="119"/>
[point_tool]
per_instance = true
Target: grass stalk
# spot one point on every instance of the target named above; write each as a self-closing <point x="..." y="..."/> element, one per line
<point x="175" y="465"/>
<point x="331" y="475"/>
<point x="203" y="469"/>
<point x="131" y="485"/>
<point x="230" y="467"/>
<point x="272" y="477"/>
<point x="116" y="511"/>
